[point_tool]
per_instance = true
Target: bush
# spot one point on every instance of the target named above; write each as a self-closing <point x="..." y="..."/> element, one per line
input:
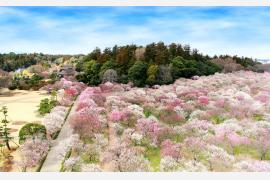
<point x="46" y="105"/>
<point x="31" y="129"/>
<point x="12" y="87"/>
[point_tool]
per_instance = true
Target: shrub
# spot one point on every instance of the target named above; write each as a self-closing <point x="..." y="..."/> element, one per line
<point x="90" y="155"/>
<point x="30" y="130"/>
<point x="46" y="105"/>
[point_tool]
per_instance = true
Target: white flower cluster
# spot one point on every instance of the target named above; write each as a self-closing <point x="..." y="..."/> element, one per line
<point x="90" y="168"/>
<point x="64" y="146"/>
<point x="253" y="166"/>
<point x="54" y="121"/>
<point x="70" y="163"/>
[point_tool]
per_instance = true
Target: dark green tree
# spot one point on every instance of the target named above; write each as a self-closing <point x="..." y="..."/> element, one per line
<point x="91" y="73"/>
<point x="177" y="65"/>
<point x="138" y="73"/>
<point x="162" y="54"/>
<point x="172" y="51"/>
<point x="150" y="53"/>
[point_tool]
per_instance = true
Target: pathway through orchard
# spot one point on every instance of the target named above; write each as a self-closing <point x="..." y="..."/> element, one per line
<point x="112" y="141"/>
<point x="53" y="163"/>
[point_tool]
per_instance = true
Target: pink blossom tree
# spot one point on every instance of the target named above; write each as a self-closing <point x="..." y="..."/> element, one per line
<point x="149" y="127"/>
<point x="262" y="142"/>
<point x="168" y="148"/>
<point x="85" y="122"/>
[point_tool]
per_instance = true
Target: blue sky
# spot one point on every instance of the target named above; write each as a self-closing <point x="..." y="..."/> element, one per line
<point x="72" y="30"/>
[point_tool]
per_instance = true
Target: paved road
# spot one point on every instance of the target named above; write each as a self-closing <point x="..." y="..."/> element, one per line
<point x="52" y="162"/>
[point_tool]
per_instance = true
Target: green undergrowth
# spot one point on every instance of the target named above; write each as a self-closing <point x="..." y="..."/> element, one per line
<point x="218" y="119"/>
<point x="153" y="155"/>
<point x="88" y="140"/>
<point x="178" y="138"/>
<point x="257" y="117"/>
<point x="66" y="157"/>
<point x="147" y="112"/>
<point x="41" y="164"/>
<point x="250" y="151"/>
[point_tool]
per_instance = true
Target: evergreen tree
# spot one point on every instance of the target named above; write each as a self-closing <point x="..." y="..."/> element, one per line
<point x="5" y="131"/>
<point x="138" y="73"/>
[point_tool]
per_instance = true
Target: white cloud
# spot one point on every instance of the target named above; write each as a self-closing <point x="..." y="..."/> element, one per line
<point x="242" y="32"/>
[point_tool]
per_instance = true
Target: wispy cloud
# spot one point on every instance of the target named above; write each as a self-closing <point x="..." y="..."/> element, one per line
<point x="70" y="30"/>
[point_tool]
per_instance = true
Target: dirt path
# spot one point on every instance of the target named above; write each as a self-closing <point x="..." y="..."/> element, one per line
<point x="53" y="162"/>
<point x="112" y="141"/>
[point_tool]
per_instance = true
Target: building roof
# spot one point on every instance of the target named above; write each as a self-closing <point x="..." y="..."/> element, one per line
<point x="66" y="70"/>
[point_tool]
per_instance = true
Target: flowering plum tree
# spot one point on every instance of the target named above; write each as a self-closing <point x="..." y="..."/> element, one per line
<point x="85" y="122"/>
<point x="33" y="151"/>
<point x="54" y="121"/>
<point x="207" y="123"/>
<point x="150" y="128"/>
<point x="262" y="142"/>
<point x="168" y="148"/>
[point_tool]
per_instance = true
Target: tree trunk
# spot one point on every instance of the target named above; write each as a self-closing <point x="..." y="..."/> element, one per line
<point x="7" y="144"/>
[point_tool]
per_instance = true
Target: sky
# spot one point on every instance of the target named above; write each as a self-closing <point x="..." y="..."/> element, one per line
<point x="243" y="31"/>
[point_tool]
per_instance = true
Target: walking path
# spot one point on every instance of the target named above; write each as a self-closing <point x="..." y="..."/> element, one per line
<point x="53" y="163"/>
<point x="109" y="166"/>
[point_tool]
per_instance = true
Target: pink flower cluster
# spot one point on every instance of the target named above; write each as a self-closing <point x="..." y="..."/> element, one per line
<point x="168" y="148"/>
<point x="33" y="151"/>
<point x="150" y="127"/>
<point x="85" y="120"/>
<point x="197" y="124"/>
<point x="203" y="100"/>
<point x="116" y="116"/>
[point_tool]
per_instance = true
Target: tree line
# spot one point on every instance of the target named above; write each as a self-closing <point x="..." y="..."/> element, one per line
<point x="155" y="63"/>
<point x="12" y="61"/>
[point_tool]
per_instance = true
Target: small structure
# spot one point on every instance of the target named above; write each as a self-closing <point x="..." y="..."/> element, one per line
<point x="66" y="70"/>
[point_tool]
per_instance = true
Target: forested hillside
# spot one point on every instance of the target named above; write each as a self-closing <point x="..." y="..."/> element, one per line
<point x="156" y="63"/>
